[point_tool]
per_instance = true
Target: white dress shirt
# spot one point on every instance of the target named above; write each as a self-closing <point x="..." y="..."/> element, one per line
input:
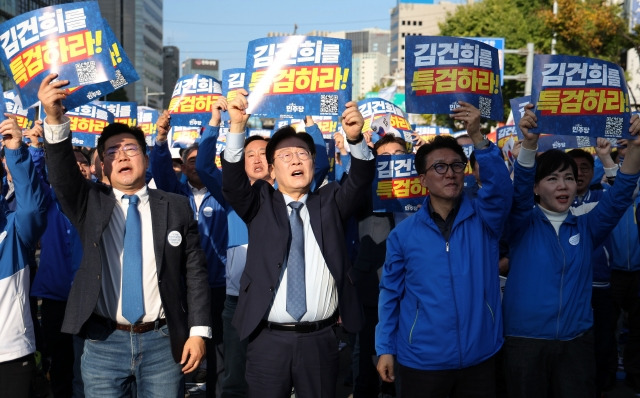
<point x="321" y="291"/>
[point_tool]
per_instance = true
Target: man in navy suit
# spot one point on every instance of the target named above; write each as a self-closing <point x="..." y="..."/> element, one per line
<point x="296" y="279"/>
<point x="143" y="308"/>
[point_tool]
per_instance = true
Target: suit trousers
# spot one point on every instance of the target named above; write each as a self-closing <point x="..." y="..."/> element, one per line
<point x="279" y="360"/>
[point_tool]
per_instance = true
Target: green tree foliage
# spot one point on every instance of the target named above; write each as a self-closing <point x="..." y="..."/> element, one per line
<point x="590" y="28"/>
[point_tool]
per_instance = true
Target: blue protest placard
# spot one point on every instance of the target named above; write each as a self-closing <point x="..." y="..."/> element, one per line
<point x="147" y="121"/>
<point x="232" y="81"/>
<point x="124" y="72"/>
<point x="123" y="112"/>
<point x="427" y="133"/>
<point x="86" y="124"/>
<point x="440" y="71"/>
<point x="13" y="105"/>
<point x="67" y="39"/>
<point x="192" y="100"/>
<point x="294" y="76"/>
<point x="396" y="186"/>
<point x="547" y="141"/>
<point x="580" y="96"/>
<point x="183" y="136"/>
<point x="3" y="107"/>
<point x="498" y="43"/>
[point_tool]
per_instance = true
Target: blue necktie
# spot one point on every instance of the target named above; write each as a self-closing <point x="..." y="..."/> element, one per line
<point x="132" y="296"/>
<point x="296" y="291"/>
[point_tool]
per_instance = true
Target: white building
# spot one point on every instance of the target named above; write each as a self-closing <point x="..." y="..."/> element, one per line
<point x="414" y="18"/>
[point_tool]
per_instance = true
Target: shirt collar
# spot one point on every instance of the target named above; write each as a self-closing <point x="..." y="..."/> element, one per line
<point x="196" y="190"/>
<point x="288" y="199"/>
<point x="143" y="194"/>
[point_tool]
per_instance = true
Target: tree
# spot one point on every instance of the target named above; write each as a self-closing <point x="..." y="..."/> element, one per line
<point x="590" y="28"/>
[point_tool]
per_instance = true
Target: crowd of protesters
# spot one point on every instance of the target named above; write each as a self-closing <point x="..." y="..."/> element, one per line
<point x="151" y="267"/>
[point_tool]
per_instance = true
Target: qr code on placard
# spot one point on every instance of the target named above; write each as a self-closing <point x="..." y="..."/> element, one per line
<point x="485" y="107"/>
<point x="119" y="81"/>
<point x="328" y="104"/>
<point x="583" y="141"/>
<point x="87" y="72"/>
<point x="613" y="127"/>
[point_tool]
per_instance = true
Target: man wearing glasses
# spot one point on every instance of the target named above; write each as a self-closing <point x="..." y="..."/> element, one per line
<point x="296" y="279"/>
<point x="440" y="316"/>
<point x="140" y="296"/>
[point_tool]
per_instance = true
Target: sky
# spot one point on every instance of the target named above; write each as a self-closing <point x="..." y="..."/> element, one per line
<point x="220" y="30"/>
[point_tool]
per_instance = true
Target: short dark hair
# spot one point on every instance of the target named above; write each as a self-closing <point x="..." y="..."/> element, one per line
<point x="284" y="133"/>
<point x="185" y="154"/>
<point x="84" y="155"/>
<point x="472" y="160"/>
<point x="438" y="142"/>
<point x="254" y="138"/>
<point x="389" y="139"/>
<point x="582" y="154"/>
<point x="552" y="160"/>
<point x="120" y="128"/>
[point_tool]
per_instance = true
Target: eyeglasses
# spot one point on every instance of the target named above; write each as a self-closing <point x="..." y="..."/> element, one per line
<point x="130" y="150"/>
<point x="442" y="168"/>
<point x="287" y="156"/>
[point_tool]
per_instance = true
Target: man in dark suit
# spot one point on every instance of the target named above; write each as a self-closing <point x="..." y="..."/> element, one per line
<point x="140" y="296"/>
<point x="295" y="282"/>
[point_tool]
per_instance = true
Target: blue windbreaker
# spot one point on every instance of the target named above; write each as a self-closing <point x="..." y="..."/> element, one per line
<point x="439" y="305"/>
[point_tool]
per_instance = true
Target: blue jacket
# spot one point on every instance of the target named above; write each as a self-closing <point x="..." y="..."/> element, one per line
<point x="625" y="246"/>
<point x="20" y="231"/>
<point x="60" y="256"/>
<point x="600" y="258"/>
<point x="548" y="291"/>
<point x="439" y="305"/>
<point x="211" y="217"/>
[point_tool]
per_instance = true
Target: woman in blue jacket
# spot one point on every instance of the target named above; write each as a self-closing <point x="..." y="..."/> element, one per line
<point x="547" y="312"/>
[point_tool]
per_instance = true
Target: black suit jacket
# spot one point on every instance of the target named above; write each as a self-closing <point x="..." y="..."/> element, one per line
<point x="182" y="273"/>
<point x="265" y="212"/>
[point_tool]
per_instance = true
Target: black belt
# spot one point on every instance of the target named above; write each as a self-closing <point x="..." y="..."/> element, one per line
<point x="135" y="328"/>
<point x="301" y="327"/>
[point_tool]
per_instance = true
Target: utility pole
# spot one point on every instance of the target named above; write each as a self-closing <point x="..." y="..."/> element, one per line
<point x="527" y="76"/>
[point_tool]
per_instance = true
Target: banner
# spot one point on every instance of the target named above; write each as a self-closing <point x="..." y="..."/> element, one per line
<point x="13" y="105"/>
<point x="123" y="112"/>
<point x="124" y="72"/>
<point x="294" y="76"/>
<point x="232" y="81"/>
<point x="580" y="97"/>
<point x="192" y="100"/>
<point x="440" y="71"/>
<point x="87" y="123"/>
<point x="396" y="186"/>
<point x="67" y="39"/>
<point x="147" y="121"/>
<point x="221" y="145"/>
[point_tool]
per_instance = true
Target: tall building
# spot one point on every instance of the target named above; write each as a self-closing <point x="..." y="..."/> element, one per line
<point x="170" y="72"/>
<point x="370" y="40"/>
<point x="414" y="18"/>
<point x="368" y="69"/>
<point x="209" y="67"/>
<point x="138" y="26"/>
